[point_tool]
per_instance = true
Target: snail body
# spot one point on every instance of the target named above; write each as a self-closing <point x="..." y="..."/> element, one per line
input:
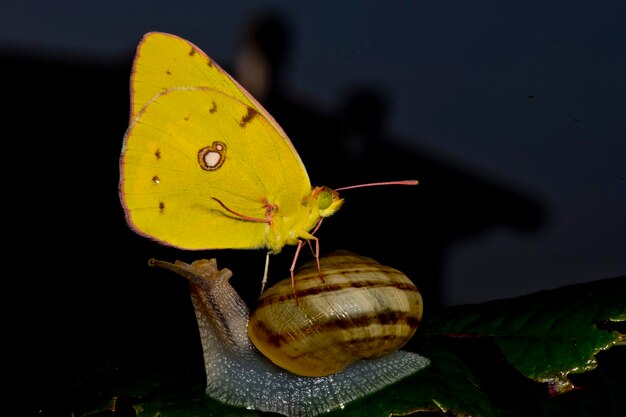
<point x="239" y="375"/>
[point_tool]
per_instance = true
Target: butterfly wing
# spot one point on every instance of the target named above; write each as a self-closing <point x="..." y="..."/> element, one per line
<point x="187" y="115"/>
<point x="190" y="148"/>
<point x="164" y="61"/>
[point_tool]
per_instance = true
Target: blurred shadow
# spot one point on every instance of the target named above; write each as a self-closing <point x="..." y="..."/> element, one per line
<point x="78" y="292"/>
<point x="410" y="228"/>
<point x="261" y="65"/>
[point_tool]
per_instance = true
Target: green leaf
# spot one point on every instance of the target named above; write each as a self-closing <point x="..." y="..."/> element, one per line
<point x="446" y="385"/>
<point x="184" y="400"/>
<point x="547" y="335"/>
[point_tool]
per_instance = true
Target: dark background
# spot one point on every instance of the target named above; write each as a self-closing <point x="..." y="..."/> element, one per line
<point x="511" y="118"/>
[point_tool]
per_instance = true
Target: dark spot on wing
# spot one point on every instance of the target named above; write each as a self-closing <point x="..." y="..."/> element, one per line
<point x="248" y="117"/>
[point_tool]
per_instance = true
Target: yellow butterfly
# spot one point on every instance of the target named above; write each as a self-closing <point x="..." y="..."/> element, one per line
<point x="203" y="164"/>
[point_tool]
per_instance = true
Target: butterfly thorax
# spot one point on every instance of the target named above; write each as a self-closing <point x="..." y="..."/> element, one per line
<point x="290" y="230"/>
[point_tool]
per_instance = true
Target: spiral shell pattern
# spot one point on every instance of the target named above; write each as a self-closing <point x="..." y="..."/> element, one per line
<point x="359" y="309"/>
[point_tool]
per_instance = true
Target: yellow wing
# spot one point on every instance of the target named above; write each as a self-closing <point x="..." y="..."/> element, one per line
<point x="164" y="61"/>
<point x="191" y="147"/>
<point x="199" y="149"/>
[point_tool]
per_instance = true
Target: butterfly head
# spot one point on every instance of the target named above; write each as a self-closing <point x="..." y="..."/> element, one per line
<point x="328" y="201"/>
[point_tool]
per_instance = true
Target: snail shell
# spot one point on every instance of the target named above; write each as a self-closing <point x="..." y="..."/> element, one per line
<point x="361" y="309"/>
<point x="239" y="375"/>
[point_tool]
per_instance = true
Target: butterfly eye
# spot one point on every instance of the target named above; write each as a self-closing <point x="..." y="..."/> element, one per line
<point x="325" y="200"/>
<point x="328" y="201"/>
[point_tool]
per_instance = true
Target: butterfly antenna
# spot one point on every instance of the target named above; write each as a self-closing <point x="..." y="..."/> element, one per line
<point x="373" y="184"/>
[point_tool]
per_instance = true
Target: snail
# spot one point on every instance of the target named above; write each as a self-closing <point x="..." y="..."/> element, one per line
<point x="339" y="343"/>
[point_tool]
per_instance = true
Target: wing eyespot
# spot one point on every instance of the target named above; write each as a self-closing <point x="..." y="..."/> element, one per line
<point x="212" y="157"/>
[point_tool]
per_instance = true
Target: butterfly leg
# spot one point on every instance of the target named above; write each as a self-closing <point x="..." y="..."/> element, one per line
<point x="265" y="271"/>
<point x="317" y="248"/>
<point x="308" y="237"/>
<point x="293" y="268"/>
<point x="317" y="258"/>
<point x="316" y="253"/>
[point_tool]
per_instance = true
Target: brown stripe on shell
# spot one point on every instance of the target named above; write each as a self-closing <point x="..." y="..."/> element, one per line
<point x="271" y="337"/>
<point x="362" y="346"/>
<point x="360" y="309"/>
<point x="313" y="291"/>
<point x="387" y="319"/>
<point x="310" y="285"/>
